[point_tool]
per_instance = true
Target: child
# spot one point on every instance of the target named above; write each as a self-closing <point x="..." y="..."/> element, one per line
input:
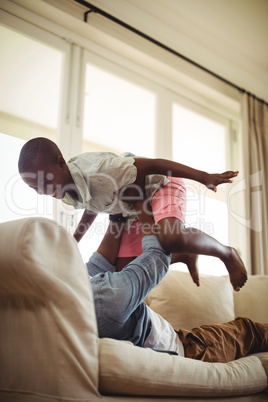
<point x="105" y="182"/>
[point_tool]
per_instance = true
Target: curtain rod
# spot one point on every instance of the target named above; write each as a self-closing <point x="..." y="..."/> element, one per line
<point x="97" y="10"/>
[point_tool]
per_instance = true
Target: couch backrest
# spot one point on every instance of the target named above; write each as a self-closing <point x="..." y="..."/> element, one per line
<point x="252" y="300"/>
<point x="48" y="332"/>
<point x="185" y="305"/>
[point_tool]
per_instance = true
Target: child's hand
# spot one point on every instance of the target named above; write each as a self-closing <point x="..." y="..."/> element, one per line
<point x="213" y="180"/>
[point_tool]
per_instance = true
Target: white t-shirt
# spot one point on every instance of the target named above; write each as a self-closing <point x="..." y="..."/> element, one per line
<point x="162" y="335"/>
<point x="99" y="177"/>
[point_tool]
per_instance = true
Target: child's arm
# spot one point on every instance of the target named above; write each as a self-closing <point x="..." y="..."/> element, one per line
<point x="169" y="168"/>
<point x="84" y="224"/>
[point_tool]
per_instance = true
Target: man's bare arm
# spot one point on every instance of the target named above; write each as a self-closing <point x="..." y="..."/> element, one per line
<point x="110" y="243"/>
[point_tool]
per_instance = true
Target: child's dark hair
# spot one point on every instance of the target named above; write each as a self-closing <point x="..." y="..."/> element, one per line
<point x="36" y="149"/>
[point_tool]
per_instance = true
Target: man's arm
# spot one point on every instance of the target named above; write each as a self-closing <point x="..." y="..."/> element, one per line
<point x="84" y="224"/>
<point x="110" y="243"/>
<point x="169" y="168"/>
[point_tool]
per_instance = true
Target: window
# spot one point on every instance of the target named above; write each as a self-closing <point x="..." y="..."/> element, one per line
<point x="47" y="84"/>
<point x="30" y="85"/>
<point x="18" y="200"/>
<point x="119" y="116"/>
<point x="202" y="142"/>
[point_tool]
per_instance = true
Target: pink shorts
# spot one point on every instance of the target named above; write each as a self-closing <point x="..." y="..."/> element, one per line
<point x="168" y="201"/>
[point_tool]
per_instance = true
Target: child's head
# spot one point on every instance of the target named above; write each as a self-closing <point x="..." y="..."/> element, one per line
<point x="42" y="167"/>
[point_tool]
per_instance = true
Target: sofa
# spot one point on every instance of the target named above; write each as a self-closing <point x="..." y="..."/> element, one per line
<point x="49" y="345"/>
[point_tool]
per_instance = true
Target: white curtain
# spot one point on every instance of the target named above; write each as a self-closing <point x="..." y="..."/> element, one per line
<point x="255" y="153"/>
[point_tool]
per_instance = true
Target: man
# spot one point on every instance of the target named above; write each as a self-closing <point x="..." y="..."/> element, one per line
<point x="122" y="314"/>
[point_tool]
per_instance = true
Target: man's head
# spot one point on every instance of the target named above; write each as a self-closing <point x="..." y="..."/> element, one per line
<point x="42" y="167"/>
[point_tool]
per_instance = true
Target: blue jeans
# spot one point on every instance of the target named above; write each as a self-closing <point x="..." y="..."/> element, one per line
<point x="118" y="296"/>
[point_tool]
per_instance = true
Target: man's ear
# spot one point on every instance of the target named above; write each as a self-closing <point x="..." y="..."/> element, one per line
<point x="61" y="162"/>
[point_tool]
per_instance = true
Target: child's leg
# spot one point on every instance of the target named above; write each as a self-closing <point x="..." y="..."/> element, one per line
<point x="130" y="248"/>
<point x="225" y="342"/>
<point x="175" y="237"/>
<point x="170" y="201"/>
<point x="168" y="206"/>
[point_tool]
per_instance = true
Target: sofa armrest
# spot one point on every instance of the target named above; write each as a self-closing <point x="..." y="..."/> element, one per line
<point x="48" y="331"/>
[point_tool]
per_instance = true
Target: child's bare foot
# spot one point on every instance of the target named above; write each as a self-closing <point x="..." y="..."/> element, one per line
<point x="236" y="269"/>
<point x="191" y="261"/>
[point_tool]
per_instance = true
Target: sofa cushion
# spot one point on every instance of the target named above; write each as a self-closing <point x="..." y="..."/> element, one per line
<point x="263" y="356"/>
<point x="252" y="300"/>
<point x="131" y="370"/>
<point x="186" y="306"/>
<point x="48" y="332"/>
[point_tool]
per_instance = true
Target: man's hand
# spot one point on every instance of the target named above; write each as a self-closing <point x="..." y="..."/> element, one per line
<point x="213" y="180"/>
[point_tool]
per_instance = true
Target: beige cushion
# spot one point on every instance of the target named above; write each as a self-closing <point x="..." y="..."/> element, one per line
<point x="48" y="332"/>
<point x="252" y="300"/>
<point x="263" y="356"/>
<point x="185" y="305"/>
<point x="130" y="370"/>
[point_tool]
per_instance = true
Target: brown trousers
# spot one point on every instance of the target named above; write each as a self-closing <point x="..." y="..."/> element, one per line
<point x="225" y="342"/>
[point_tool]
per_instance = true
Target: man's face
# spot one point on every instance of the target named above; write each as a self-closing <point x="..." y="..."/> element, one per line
<point x="49" y="179"/>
